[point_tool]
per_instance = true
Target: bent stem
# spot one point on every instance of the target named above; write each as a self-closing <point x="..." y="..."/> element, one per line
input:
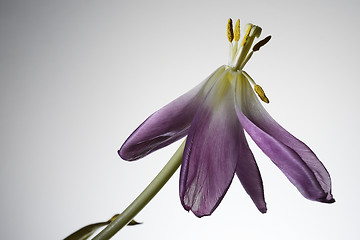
<point x="144" y="198"/>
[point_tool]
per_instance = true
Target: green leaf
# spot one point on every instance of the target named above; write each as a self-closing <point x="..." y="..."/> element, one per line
<point x="133" y="222"/>
<point x="85" y="232"/>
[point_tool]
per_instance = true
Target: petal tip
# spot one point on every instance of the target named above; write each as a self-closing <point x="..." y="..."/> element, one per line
<point x="326" y="200"/>
<point x="125" y="155"/>
<point x="199" y="212"/>
<point x="263" y="210"/>
<point x="187" y="208"/>
<point x="120" y="154"/>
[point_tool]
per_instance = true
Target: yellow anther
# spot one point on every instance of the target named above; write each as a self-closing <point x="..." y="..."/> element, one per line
<point x="260" y="92"/>
<point x="247" y="32"/>
<point x="237" y="31"/>
<point x="230" y="32"/>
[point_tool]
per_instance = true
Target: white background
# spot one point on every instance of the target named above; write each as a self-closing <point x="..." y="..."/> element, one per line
<point x="77" y="77"/>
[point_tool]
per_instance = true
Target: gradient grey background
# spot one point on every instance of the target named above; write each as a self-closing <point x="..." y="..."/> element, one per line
<point x="77" y="77"/>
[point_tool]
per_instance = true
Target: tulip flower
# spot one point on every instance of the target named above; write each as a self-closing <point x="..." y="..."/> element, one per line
<point x="213" y="116"/>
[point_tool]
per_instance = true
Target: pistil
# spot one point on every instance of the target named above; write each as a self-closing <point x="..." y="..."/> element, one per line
<point x="239" y="53"/>
<point x="248" y="40"/>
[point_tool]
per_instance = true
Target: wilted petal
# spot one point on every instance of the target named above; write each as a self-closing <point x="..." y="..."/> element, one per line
<point x="293" y="157"/>
<point x="249" y="174"/>
<point x="168" y="124"/>
<point x="211" y="150"/>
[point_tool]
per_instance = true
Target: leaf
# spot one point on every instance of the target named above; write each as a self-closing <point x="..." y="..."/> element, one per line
<point x="133" y="222"/>
<point x="85" y="232"/>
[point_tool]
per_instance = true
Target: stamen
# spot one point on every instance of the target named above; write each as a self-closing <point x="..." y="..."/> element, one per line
<point x="261" y="43"/>
<point x="256" y="47"/>
<point x="237" y="30"/>
<point x="230" y="32"/>
<point x="260" y="92"/>
<point x="247" y="32"/>
<point x="248" y="77"/>
<point x="246" y="59"/>
<point x="252" y="31"/>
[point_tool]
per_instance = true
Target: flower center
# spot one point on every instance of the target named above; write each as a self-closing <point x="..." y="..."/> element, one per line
<point x="239" y="52"/>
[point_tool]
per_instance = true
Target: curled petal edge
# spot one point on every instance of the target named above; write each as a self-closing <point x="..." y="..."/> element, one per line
<point x="304" y="170"/>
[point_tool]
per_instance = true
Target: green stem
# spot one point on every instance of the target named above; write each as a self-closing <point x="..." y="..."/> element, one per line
<point x="144" y="198"/>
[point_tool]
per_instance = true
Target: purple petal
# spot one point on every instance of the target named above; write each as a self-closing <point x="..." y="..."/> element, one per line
<point x="293" y="157"/>
<point x="249" y="174"/>
<point x="211" y="151"/>
<point x="168" y="124"/>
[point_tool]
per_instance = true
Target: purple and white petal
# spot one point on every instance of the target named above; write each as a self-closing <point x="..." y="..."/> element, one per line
<point x="293" y="157"/>
<point x="168" y="124"/>
<point x="211" y="150"/>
